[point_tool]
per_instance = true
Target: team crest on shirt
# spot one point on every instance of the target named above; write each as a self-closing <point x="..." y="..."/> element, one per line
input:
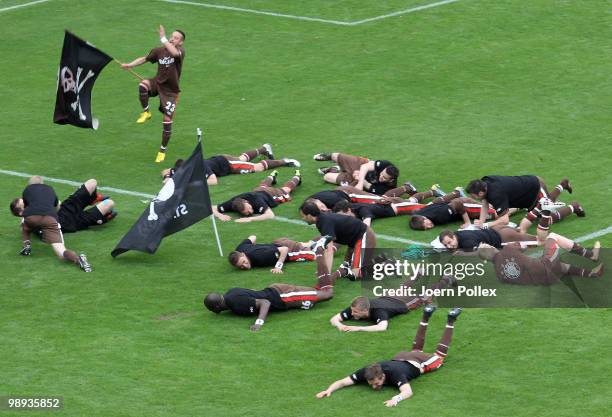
<point x="511" y="269"/>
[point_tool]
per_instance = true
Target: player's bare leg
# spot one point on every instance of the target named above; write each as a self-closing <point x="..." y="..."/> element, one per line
<point x="565" y="243"/>
<point x="70" y="256"/>
<point x="143" y="95"/>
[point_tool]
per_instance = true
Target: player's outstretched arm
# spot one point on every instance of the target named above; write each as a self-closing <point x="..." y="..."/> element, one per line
<point x="405" y="393"/>
<point x="500" y="221"/>
<point x="278" y="268"/>
<point x="263" y="307"/>
<point x="220" y="216"/>
<point x="341" y="383"/>
<point x="138" y="61"/>
<point x="380" y="327"/>
<point x="268" y="214"/>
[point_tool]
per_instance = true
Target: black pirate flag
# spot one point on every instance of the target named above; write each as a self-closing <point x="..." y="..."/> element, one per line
<point x="182" y="202"/>
<point x="80" y="65"/>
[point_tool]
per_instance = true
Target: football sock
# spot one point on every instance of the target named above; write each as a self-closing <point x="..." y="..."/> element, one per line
<point x="166" y="133"/>
<point x="143" y="95"/>
<point x="253" y="153"/>
<point x="579" y="250"/>
<point x="445" y="340"/>
<point x="71" y="256"/>
<point x="272" y="163"/>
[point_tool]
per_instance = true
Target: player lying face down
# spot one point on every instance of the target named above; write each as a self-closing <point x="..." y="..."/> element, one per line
<point x="258" y="204"/>
<point x="405" y="366"/>
<point x="222" y="165"/>
<point x="278" y="297"/>
<point x="469" y="240"/>
<point x="380" y="310"/>
<point x="248" y="254"/>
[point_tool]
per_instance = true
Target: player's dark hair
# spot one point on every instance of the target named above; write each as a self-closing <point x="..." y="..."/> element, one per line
<point x="181" y="32"/>
<point x="14" y="209"/>
<point x="310" y="208"/>
<point x="393" y="172"/>
<point x="374" y="371"/>
<point x="446" y="233"/>
<point x="238" y="204"/>
<point x="214" y="302"/>
<point x="476" y="186"/>
<point x="417" y="222"/>
<point x="341" y="206"/>
<point x="178" y="163"/>
<point x="233" y="257"/>
<point x="361" y="303"/>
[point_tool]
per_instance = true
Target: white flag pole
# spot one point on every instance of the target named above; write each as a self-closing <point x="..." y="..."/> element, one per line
<point x="214" y="223"/>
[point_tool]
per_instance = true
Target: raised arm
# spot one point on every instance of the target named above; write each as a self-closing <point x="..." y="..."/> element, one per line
<point x="341" y="383"/>
<point x="169" y="47"/>
<point x="263" y="307"/>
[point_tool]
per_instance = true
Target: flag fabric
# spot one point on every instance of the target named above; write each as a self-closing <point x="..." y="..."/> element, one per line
<point x="182" y="201"/>
<point x="79" y="67"/>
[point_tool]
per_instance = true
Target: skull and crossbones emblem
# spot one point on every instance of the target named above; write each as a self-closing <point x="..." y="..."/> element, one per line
<point x="69" y="83"/>
<point x="164" y="194"/>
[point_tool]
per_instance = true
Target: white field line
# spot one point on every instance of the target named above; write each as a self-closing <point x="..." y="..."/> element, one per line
<point x="401" y="12"/>
<point x="151" y="196"/>
<point x="589" y="236"/>
<point x="19" y="6"/>
<point x="313" y="19"/>
<point x="240" y="9"/>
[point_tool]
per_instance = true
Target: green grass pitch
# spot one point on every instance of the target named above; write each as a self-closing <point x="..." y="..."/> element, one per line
<point x="449" y="93"/>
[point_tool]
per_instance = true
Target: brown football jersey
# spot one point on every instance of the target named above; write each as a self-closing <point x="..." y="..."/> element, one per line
<point x="514" y="267"/>
<point x="168" y="68"/>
